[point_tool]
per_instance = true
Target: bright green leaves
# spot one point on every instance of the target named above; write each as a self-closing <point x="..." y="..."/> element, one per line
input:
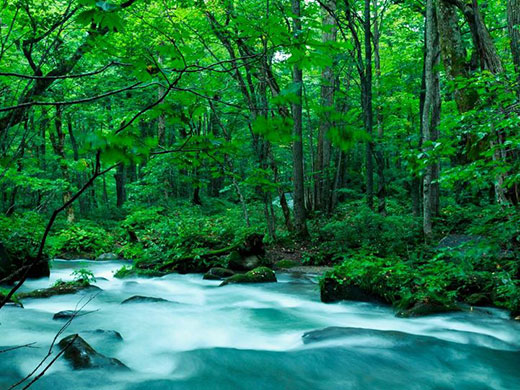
<point x="277" y="129"/>
<point x="103" y="14"/>
<point x="261" y="179"/>
<point x="123" y="147"/>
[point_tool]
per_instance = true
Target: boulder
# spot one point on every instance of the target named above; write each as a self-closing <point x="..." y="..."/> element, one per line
<point x="238" y="262"/>
<point x="68" y="314"/>
<point x="420" y="309"/>
<point x="218" y="273"/>
<point x="60" y="288"/>
<point x="258" y="275"/>
<point x="338" y="332"/>
<point x="104" y="334"/>
<point x="9" y="265"/>
<point x="81" y="355"/>
<point x="332" y="291"/>
<point x="141" y="299"/>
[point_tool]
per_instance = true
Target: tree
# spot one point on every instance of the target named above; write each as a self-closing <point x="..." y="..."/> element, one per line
<point x="300" y="225"/>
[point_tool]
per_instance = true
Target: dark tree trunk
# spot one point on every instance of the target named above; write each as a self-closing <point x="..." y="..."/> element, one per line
<point x="367" y="104"/>
<point x="300" y="224"/>
<point x="513" y="25"/>
<point x="120" y="178"/>
<point x="58" y="143"/>
<point x="323" y="181"/>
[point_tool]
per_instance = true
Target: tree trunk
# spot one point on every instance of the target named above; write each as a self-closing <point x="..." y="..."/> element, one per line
<point x="323" y="182"/>
<point x="430" y="116"/>
<point x="513" y="25"/>
<point x="58" y="143"/>
<point x="426" y="121"/>
<point x="379" y="154"/>
<point x="83" y="206"/>
<point x="454" y="54"/>
<point x="300" y="225"/>
<point x="120" y="178"/>
<point x="368" y="112"/>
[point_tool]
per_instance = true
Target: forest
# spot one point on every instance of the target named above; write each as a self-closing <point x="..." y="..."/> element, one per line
<point x="344" y="170"/>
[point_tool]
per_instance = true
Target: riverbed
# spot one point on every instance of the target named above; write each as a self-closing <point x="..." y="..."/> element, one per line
<point x="250" y="337"/>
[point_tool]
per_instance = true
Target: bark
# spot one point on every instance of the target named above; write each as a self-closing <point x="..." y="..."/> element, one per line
<point x="58" y="144"/>
<point x="379" y="154"/>
<point x="322" y="184"/>
<point x="454" y="53"/>
<point x="482" y="41"/>
<point x="426" y="121"/>
<point x="300" y="225"/>
<point x="436" y="114"/>
<point x="513" y="26"/>
<point x="367" y="105"/>
<point x="120" y="178"/>
<point x="83" y="206"/>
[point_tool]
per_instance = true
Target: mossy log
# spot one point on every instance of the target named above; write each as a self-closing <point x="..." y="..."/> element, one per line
<point x="251" y="245"/>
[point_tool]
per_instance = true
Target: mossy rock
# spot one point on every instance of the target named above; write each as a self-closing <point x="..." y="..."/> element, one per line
<point x="478" y="299"/>
<point x="70" y="314"/>
<point x="331" y="290"/>
<point x="143" y="299"/>
<point x="60" y="288"/>
<point x="234" y="260"/>
<point x="218" y="273"/>
<point x="258" y="275"/>
<point x="81" y="355"/>
<point x="11" y="265"/>
<point x="420" y="309"/>
<point x="285" y="264"/>
<point x="129" y="272"/>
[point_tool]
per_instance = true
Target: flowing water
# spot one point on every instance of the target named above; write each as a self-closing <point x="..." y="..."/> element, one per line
<point x="250" y="337"/>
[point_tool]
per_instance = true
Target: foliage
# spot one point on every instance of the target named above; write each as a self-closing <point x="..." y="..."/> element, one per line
<point x="21" y="234"/>
<point x="83" y="238"/>
<point x="355" y="227"/>
<point x="83" y="275"/>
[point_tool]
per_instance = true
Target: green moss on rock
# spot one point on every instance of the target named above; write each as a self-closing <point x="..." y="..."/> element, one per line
<point x="257" y="275"/>
<point x="60" y="288"/>
<point x="218" y="273"/>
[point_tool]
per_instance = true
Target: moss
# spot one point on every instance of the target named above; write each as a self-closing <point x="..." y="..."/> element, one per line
<point x="218" y="273"/>
<point x="427" y="308"/>
<point x="128" y="272"/>
<point x="59" y="288"/>
<point x="258" y="275"/>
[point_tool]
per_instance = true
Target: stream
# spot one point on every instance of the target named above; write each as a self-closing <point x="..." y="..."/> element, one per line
<point x="250" y="337"/>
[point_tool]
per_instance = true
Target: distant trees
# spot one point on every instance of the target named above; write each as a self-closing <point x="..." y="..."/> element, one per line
<point x="324" y="99"/>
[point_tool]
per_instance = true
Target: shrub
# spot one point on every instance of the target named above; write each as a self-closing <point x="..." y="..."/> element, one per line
<point x="21" y="234"/>
<point x="359" y="228"/>
<point x="82" y="238"/>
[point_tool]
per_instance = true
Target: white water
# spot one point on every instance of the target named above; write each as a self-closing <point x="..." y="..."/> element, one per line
<point x="250" y="336"/>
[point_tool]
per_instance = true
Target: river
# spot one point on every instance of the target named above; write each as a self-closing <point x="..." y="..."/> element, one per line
<point x="250" y="337"/>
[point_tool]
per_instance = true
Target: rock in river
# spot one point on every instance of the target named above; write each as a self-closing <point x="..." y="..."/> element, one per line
<point x="141" y="299"/>
<point x="218" y="273"/>
<point x="60" y="288"/>
<point x="104" y="334"/>
<point x="81" y="355"/>
<point x="258" y="275"/>
<point x="68" y="314"/>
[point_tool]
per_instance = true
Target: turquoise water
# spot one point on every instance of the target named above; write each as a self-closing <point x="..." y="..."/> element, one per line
<point x="250" y="337"/>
